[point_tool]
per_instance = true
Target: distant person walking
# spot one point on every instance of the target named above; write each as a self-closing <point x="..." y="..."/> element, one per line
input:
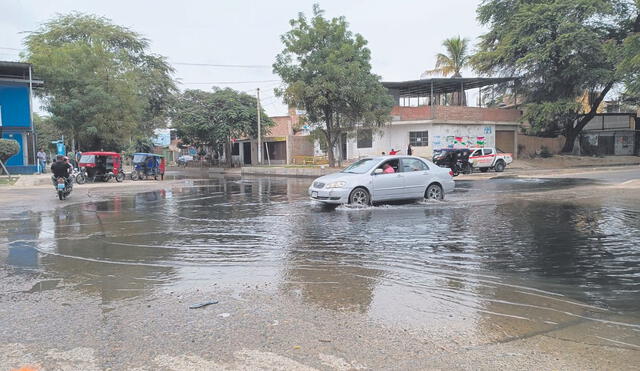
<point x="42" y="161"/>
<point x="409" y="150"/>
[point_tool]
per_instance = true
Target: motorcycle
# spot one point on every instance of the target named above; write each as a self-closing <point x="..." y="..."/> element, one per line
<point x="63" y="187"/>
<point x="455" y="159"/>
<point x="80" y="175"/>
<point x="463" y="167"/>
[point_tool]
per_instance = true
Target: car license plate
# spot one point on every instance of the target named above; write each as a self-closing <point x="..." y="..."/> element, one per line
<point x="314" y="194"/>
<point x="60" y="186"/>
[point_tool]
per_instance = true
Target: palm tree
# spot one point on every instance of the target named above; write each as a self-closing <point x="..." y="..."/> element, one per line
<point x="455" y="59"/>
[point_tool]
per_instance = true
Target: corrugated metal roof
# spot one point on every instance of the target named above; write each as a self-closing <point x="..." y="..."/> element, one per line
<point x="423" y="87"/>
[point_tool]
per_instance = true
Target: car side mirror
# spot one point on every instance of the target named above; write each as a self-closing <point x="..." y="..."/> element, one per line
<point x="377" y="171"/>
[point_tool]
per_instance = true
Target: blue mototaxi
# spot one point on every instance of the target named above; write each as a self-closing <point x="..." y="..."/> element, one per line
<point x="147" y="165"/>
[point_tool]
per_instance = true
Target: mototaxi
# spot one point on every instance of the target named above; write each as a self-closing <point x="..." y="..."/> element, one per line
<point x="100" y="166"/>
<point x="147" y="165"/>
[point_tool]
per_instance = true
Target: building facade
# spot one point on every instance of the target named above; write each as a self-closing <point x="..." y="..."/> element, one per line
<point x="16" y="115"/>
<point x="615" y="134"/>
<point x="431" y="114"/>
<point x="279" y="147"/>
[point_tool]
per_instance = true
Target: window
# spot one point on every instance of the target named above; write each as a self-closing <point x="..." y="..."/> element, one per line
<point x="395" y="164"/>
<point x="413" y="164"/>
<point x="488" y="151"/>
<point x="419" y="138"/>
<point x="365" y="138"/>
<point x="477" y="153"/>
<point x="361" y="166"/>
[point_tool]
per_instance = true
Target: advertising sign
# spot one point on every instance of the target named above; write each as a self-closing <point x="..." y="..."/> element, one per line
<point x="162" y="137"/>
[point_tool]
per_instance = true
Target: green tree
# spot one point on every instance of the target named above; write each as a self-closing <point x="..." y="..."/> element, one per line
<point x="629" y="67"/>
<point x="327" y="72"/>
<point x="8" y="148"/>
<point x="102" y="86"/>
<point x="46" y="131"/>
<point x="142" y="145"/>
<point x="456" y="58"/>
<point x="560" y="49"/>
<point x="213" y="119"/>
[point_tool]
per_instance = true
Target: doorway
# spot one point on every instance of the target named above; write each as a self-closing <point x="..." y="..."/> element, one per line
<point x="246" y="153"/>
<point x="343" y="143"/>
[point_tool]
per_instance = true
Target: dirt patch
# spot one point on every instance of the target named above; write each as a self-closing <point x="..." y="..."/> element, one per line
<point x="569" y="161"/>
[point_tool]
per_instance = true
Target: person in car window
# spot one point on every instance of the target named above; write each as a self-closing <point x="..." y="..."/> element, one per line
<point x="387" y="169"/>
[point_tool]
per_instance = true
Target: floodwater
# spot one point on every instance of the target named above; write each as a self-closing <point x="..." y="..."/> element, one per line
<point x="490" y="258"/>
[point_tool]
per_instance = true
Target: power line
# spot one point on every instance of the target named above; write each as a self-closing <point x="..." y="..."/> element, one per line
<point x="228" y="82"/>
<point x="223" y="65"/>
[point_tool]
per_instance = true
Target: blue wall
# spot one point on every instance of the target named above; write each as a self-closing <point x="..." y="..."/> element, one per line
<point x="18" y="158"/>
<point x="14" y="102"/>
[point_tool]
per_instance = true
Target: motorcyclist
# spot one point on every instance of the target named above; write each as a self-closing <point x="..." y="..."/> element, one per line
<point x="61" y="169"/>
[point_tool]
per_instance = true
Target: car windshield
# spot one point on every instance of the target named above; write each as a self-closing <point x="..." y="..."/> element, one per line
<point x="361" y="167"/>
<point x="87" y="159"/>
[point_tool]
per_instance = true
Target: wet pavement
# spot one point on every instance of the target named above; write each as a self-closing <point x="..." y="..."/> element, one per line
<point x="499" y="259"/>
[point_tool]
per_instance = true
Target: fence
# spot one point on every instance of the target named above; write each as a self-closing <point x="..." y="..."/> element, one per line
<point x="530" y="146"/>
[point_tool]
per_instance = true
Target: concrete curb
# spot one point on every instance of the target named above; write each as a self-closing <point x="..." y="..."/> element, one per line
<point x="288" y="171"/>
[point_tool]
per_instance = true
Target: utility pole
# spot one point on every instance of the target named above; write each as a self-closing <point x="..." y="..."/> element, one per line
<point x="259" y="131"/>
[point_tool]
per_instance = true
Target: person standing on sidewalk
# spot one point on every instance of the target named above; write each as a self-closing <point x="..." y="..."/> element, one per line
<point x="42" y="160"/>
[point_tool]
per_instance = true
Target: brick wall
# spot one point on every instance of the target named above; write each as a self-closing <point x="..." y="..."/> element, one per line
<point x="281" y="129"/>
<point x="456" y="113"/>
<point x="301" y="146"/>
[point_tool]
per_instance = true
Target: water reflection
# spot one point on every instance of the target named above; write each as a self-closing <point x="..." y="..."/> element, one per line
<point x="21" y="235"/>
<point x="325" y="269"/>
<point x="485" y="255"/>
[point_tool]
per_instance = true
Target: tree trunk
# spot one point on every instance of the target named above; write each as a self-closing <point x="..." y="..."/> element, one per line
<point x="329" y="134"/>
<point x="330" y="146"/>
<point x="570" y="139"/>
<point x="573" y="131"/>
<point x="227" y="153"/>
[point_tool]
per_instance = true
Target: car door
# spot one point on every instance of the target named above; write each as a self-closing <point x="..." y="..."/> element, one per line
<point x="416" y="177"/>
<point x="388" y="186"/>
<point x="488" y="157"/>
<point x="476" y="158"/>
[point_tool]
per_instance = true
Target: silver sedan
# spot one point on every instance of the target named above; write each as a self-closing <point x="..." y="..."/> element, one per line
<point x="385" y="178"/>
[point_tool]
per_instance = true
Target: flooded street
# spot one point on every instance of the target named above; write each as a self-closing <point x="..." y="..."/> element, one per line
<point x="498" y="261"/>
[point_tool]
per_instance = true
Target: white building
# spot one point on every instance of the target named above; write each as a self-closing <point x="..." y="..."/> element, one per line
<point x="430" y="114"/>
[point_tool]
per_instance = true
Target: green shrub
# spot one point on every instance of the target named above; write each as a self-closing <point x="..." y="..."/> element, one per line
<point x="8" y="148"/>
<point x="545" y="153"/>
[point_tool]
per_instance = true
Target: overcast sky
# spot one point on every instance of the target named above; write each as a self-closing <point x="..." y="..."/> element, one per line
<point x="403" y="35"/>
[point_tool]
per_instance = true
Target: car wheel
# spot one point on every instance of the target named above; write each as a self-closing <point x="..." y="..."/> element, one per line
<point x="434" y="192"/>
<point x="500" y="166"/>
<point x="360" y="196"/>
<point x="484" y="169"/>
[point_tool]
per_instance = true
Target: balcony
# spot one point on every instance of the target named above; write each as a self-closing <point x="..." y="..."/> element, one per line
<point x="455" y="114"/>
<point x="445" y="100"/>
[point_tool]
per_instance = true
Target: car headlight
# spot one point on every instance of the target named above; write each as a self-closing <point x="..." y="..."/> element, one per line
<point x="336" y="184"/>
